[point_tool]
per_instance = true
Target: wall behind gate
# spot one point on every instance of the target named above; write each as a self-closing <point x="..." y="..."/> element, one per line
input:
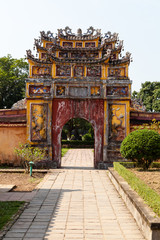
<point x="91" y="110"/>
<point x="10" y="137"/>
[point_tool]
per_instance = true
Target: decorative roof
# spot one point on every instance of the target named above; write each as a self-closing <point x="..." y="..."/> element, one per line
<point x="125" y="59"/>
<point x="90" y="48"/>
<point x="21" y="104"/>
<point x="137" y="106"/>
<point x="56" y="46"/>
<point x="67" y="34"/>
<point x="31" y="57"/>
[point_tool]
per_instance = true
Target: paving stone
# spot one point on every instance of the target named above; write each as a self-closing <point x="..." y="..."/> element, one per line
<point x="76" y="202"/>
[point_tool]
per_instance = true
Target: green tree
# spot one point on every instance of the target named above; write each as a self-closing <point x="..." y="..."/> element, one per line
<point x="141" y="146"/>
<point x="149" y="94"/>
<point x="12" y="80"/>
<point x="76" y="128"/>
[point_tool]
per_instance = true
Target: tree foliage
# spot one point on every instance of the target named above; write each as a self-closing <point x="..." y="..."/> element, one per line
<point x="154" y="125"/>
<point x="149" y="94"/>
<point x="77" y="127"/>
<point x="142" y="146"/>
<point x="12" y="80"/>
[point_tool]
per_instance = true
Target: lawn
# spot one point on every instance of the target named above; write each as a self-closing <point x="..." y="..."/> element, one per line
<point x="150" y="196"/>
<point x="64" y="151"/>
<point x="7" y="210"/>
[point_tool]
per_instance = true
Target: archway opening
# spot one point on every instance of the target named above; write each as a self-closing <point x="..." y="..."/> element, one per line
<point x="78" y="135"/>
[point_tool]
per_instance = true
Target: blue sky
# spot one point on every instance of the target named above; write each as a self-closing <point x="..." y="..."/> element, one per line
<point x="136" y="21"/>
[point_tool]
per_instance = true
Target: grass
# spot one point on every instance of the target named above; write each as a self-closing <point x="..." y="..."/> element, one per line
<point x="151" y="198"/>
<point x="64" y="151"/>
<point x="7" y="210"/>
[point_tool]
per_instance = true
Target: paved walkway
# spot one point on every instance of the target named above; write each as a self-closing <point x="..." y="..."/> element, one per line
<point x="76" y="203"/>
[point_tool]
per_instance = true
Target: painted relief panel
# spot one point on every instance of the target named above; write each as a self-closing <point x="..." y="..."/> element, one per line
<point x="95" y="91"/>
<point x="41" y="71"/>
<point x="39" y="90"/>
<point x="90" y="44"/>
<point x="60" y="91"/>
<point x="43" y="55"/>
<point x="116" y="72"/>
<point x="63" y="70"/>
<point x="78" y="55"/>
<point x="87" y="55"/>
<point x="117" y="91"/>
<point x="117" y="122"/>
<point x="94" y="71"/>
<point x="68" y="44"/>
<point x="49" y="45"/>
<point x="78" y="44"/>
<point x="78" y="71"/>
<point x="39" y="118"/>
<point x="109" y="46"/>
<point x="63" y="54"/>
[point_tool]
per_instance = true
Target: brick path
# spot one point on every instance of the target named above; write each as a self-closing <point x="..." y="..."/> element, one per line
<point x="76" y="203"/>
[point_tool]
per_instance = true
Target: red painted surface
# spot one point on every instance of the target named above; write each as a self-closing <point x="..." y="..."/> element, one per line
<point x="90" y="110"/>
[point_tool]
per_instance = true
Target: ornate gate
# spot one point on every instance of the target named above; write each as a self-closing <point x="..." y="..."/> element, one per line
<point x="78" y="76"/>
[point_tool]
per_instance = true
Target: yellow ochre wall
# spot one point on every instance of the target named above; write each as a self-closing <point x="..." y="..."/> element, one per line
<point x="10" y="137"/>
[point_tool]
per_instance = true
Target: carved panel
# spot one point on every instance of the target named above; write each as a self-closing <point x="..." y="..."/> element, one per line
<point x="117" y="123"/>
<point x="90" y="44"/>
<point x="93" y="55"/>
<point x="63" y="70"/>
<point x="41" y="71"/>
<point x="94" y="71"/>
<point x="118" y="91"/>
<point x="78" y="91"/>
<point x="39" y="119"/>
<point x="63" y="54"/>
<point x="116" y="72"/>
<point x="67" y="44"/>
<point x="39" y="90"/>
<point x="78" y="55"/>
<point x="109" y="46"/>
<point x="43" y="55"/>
<point x="95" y="91"/>
<point x="60" y="91"/>
<point x="87" y="55"/>
<point x="49" y="45"/>
<point x="78" y="71"/>
<point x="78" y="44"/>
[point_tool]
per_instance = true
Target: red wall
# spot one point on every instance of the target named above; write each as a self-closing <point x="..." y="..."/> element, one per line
<point x="90" y="110"/>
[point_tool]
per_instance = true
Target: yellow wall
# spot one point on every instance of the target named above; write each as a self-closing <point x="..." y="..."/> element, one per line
<point x="10" y="137"/>
<point x="124" y="109"/>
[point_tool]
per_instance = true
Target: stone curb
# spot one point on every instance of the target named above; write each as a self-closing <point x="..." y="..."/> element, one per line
<point x="14" y="218"/>
<point x="146" y="219"/>
<point x="23" y="170"/>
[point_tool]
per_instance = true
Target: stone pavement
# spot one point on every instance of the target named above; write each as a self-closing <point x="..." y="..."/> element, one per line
<point x="76" y="202"/>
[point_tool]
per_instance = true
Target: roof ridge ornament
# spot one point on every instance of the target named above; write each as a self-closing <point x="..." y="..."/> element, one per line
<point x="67" y="31"/>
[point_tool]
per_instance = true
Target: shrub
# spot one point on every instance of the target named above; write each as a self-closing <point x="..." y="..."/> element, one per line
<point x="29" y="153"/>
<point x="141" y="146"/>
<point x="87" y="137"/>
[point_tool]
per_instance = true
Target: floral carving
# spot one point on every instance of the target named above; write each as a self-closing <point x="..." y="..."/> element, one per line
<point x="117" y="91"/>
<point x="39" y="114"/>
<point x="78" y="71"/>
<point x="60" y="91"/>
<point x="63" y="70"/>
<point x="116" y="123"/>
<point x="94" y="71"/>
